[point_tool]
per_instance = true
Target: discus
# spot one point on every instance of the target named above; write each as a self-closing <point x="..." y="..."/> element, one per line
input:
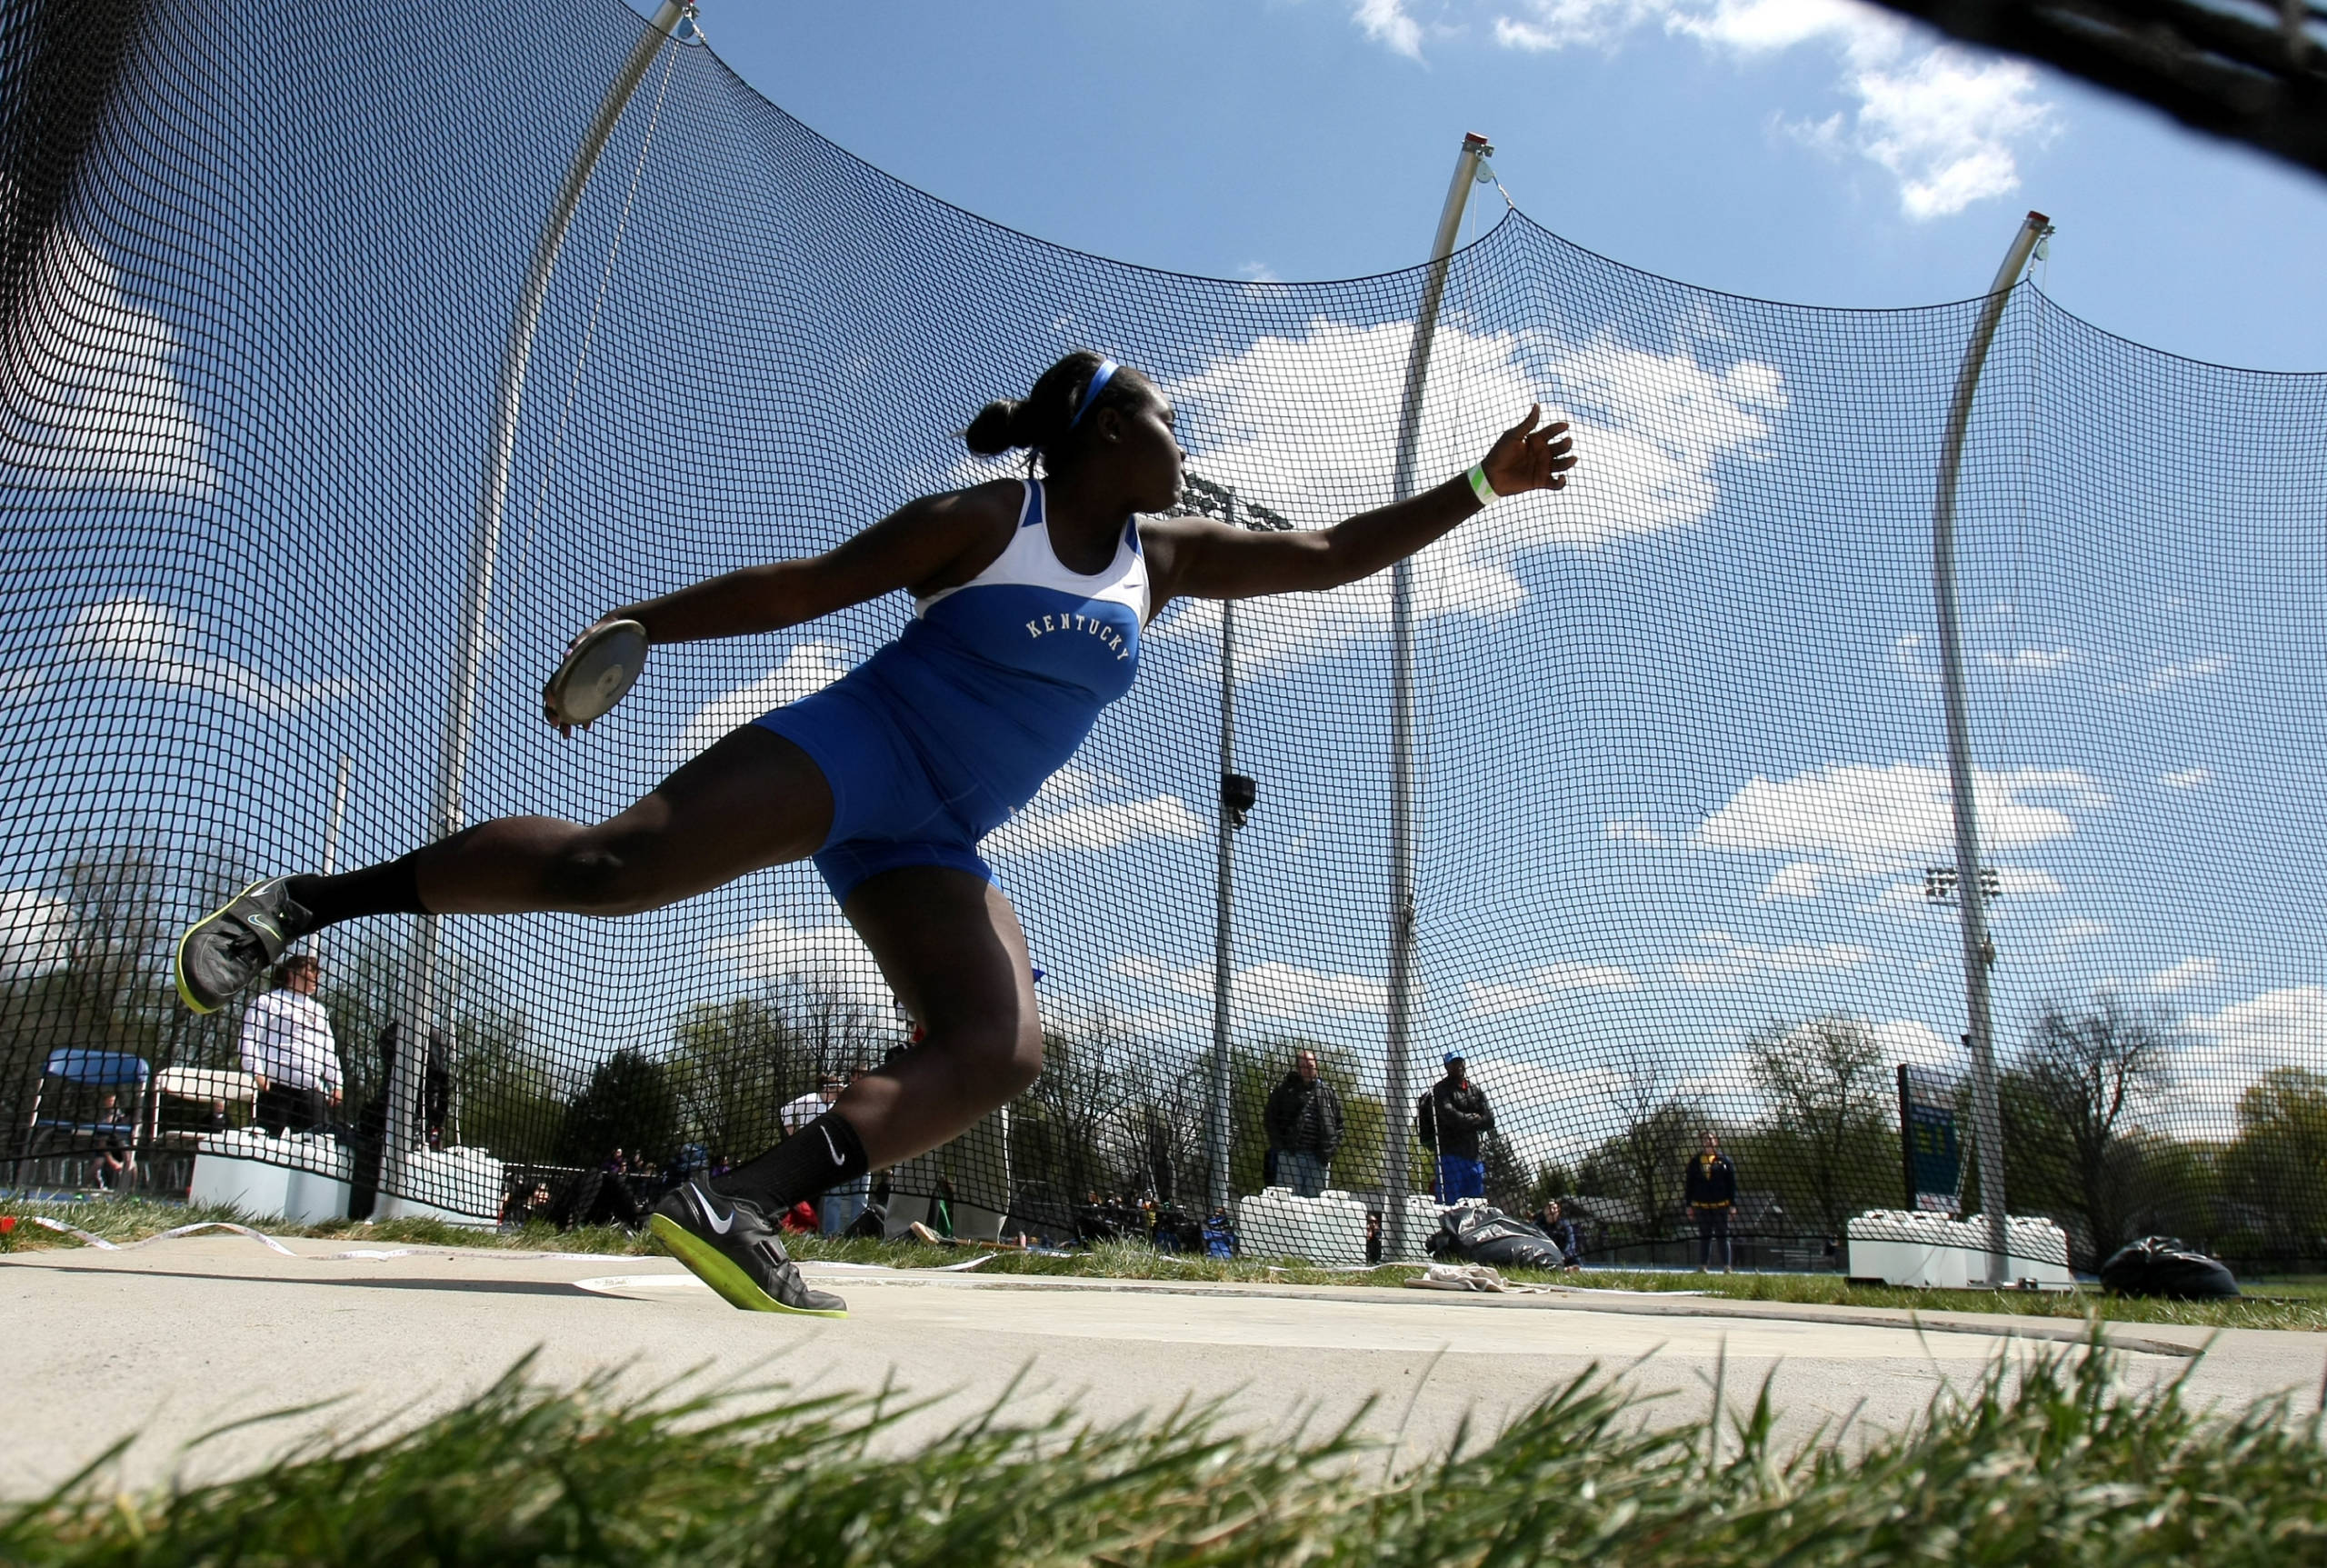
<point x="596" y="673"/>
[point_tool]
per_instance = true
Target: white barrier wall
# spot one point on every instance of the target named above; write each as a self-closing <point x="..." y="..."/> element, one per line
<point x="1327" y="1230"/>
<point x="1907" y="1247"/>
<point x="242" y="1170"/>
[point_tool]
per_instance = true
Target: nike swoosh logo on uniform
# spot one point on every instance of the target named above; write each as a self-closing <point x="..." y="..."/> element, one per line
<point x="832" y="1147"/>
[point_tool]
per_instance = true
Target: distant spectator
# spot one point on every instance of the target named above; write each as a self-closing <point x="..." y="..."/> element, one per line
<point x="287" y="1047"/>
<point x="1564" y="1233"/>
<point x="1372" y="1235"/>
<point x="1459" y="1116"/>
<point x="806" y="1108"/>
<point x="941" y="1209"/>
<point x="111" y="1160"/>
<point x="1303" y="1122"/>
<point x="844" y="1203"/>
<point x="1709" y="1186"/>
<point x="1219" y="1239"/>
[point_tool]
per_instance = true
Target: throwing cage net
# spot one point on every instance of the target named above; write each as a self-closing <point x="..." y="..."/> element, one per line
<point x="289" y="554"/>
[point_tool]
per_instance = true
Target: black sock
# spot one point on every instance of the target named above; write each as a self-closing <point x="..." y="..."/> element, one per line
<point x="389" y="889"/>
<point x="813" y="1160"/>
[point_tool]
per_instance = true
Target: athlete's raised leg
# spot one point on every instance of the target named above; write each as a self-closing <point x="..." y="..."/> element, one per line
<point x="753" y="800"/>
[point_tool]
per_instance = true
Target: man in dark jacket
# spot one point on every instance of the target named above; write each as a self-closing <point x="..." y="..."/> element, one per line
<point x="1709" y="1186"/>
<point x="1303" y="1121"/>
<point x="1459" y="1115"/>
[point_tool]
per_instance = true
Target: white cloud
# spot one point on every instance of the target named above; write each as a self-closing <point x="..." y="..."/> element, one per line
<point x="808" y="667"/>
<point x="1795" y="879"/>
<point x="1543" y="985"/>
<point x="1918" y="1045"/>
<point x="1272" y="989"/>
<point x="2189" y="973"/>
<point x="1727" y="959"/>
<point x="143" y="639"/>
<point x="1861" y="819"/>
<point x="1386" y="22"/>
<point x="1074" y="811"/>
<point x="1944" y="122"/>
<point x="2224" y="1052"/>
<point x="2187" y="778"/>
<point x="92" y="399"/>
<point x="831" y="957"/>
<point x="36" y="933"/>
<point x="2187" y="670"/>
<point x="1656" y="436"/>
<point x="2029" y="661"/>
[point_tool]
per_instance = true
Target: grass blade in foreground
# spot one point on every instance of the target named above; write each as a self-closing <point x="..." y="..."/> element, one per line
<point x="2053" y="1468"/>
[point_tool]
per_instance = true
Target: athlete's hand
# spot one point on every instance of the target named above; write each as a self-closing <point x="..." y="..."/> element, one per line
<point x="1524" y="458"/>
<point x="549" y="708"/>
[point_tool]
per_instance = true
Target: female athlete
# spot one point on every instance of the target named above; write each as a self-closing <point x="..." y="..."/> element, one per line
<point x="1029" y="600"/>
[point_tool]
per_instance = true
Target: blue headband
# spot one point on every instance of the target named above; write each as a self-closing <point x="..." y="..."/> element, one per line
<point x="1107" y="368"/>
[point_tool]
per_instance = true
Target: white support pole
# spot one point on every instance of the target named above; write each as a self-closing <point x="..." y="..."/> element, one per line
<point x="1979" y="953"/>
<point x="1395" y="1243"/>
<point x="447" y="815"/>
<point x="338" y="819"/>
<point x="1224" y="958"/>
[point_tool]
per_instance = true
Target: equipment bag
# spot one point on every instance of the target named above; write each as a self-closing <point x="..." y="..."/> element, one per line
<point x="2163" y="1266"/>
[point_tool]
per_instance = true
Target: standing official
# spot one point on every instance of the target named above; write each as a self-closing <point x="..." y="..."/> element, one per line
<point x="1303" y="1121"/>
<point x="1710" y="1189"/>
<point x="1460" y="1118"/>
<point x="287" y="1046"/>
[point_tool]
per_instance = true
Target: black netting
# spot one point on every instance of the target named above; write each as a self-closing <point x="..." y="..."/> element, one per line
<point x="1681" y="765"/>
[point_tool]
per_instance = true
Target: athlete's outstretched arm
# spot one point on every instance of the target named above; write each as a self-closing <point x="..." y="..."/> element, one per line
<point x="911" y="546"/>
<point x="1201" y="559"/>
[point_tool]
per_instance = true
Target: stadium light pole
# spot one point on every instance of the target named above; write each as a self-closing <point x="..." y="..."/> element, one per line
<point x="1978" y="952"/>
<point x="1399" y="1066"/>
<point x="1224" y="968"/>
<point x="1205" y="499"/>
<point x="447" y="812"/>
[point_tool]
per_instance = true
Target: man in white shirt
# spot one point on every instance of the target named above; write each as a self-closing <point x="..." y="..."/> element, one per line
<point x="287" y="1046"/>
<point x="798" y="1114"/>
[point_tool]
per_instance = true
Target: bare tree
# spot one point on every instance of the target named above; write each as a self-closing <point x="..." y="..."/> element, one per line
<point x="1660" y="1127"/>
<point x="1823" y="1080"/>
<point x="2069" y="1104"/>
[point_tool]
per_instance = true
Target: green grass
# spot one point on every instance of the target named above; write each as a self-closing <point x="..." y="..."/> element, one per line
<point x="2298" y="1304"/>
<point x="2051" y="1468"/>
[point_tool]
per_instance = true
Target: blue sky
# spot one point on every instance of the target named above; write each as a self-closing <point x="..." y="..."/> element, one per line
<point x="1680" y="734"/>
<point x="1766" y="148"/>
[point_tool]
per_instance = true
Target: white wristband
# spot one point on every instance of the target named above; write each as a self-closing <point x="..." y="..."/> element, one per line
<point x="1479" y="485"/>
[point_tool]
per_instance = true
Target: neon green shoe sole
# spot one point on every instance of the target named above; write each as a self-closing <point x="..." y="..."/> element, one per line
<point x="177" y="953"/>
<point x="714" y="1268"/>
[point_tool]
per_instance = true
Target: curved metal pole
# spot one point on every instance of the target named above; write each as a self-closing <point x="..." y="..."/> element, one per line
<point x="1395" y="1243"/>
<point x="445" y="813"/>
<point x="1987" y="1118"/>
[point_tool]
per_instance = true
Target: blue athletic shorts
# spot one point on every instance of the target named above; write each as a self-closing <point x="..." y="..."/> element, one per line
<point x="887" y="811"/>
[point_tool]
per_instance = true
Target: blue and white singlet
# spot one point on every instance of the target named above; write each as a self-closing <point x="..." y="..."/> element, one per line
<point x="934" y="741"/>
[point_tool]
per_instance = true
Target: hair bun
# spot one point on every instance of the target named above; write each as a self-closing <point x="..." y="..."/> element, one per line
<point x="993" y="431"/>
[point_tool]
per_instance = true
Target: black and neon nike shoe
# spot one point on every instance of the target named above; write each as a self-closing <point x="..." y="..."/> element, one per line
<point x="730" y="1246"/>
<point x="237" y="943"/>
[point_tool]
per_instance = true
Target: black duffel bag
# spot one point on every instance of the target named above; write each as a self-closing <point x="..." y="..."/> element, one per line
<point x="1480" y="1235"/>
<point x="2163" y="1266"/>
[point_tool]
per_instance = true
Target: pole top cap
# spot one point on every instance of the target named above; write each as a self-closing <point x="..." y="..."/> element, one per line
<point x="1473" y="139"/>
